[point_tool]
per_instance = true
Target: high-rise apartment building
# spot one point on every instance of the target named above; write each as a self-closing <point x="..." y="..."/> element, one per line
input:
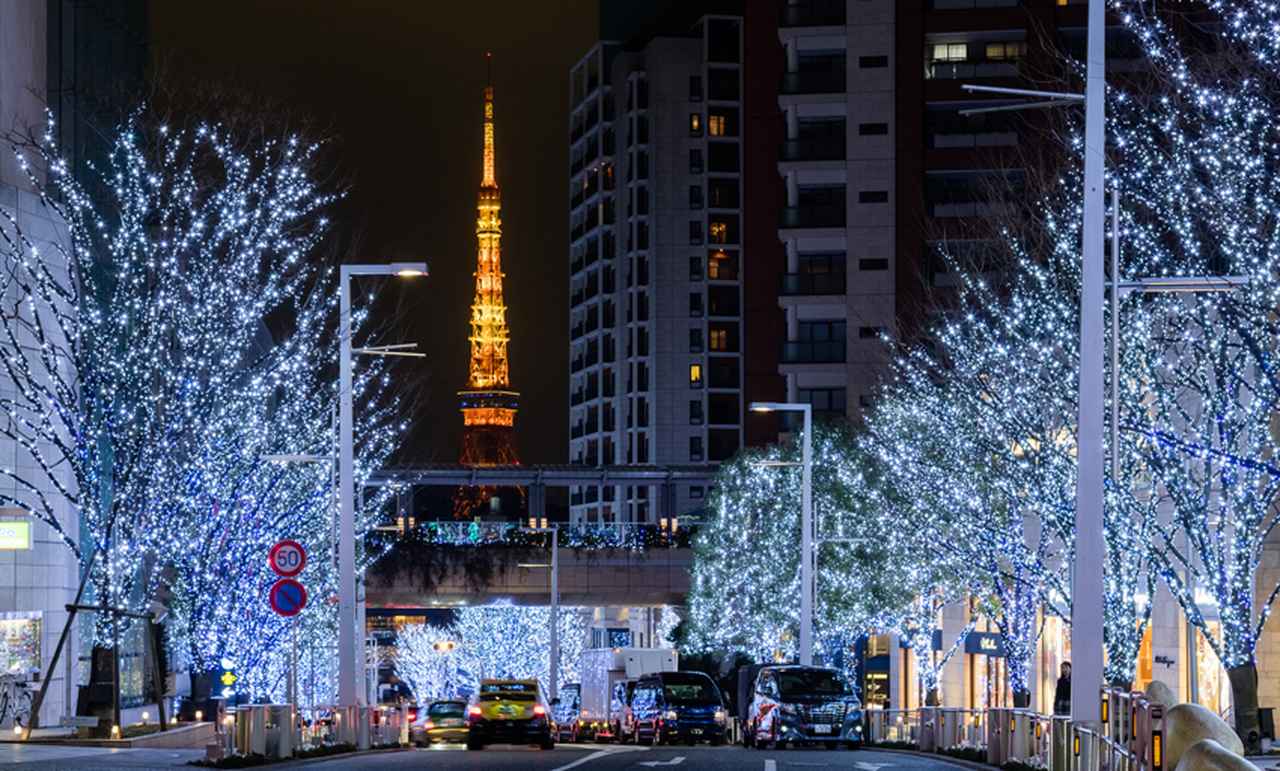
<point x="656" y="202"/>
<point x="880" y="167"/>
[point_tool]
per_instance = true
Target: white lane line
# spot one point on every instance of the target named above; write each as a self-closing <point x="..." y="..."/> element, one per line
<point x="677" y="760"/>
<point x="597" y="755"/>
<point x="771" y="765"/>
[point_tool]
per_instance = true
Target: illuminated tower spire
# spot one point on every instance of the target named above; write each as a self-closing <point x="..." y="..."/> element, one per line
<point x="488" y="402"/>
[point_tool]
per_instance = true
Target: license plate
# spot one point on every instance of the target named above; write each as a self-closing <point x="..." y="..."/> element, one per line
<point x="695" y="731"/>
<point x="451" y="722"/>
<point x="822" y="729"/>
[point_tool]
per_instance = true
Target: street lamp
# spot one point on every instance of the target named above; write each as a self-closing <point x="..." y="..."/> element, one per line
<point x="553" y="663"/>
<point x="807" y="553"/>
<point x="347" y="690"/>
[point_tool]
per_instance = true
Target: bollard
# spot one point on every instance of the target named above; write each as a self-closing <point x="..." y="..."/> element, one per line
<point x="280" y="722"/>
<point x="363" y="720"/>
<point x="251" y="729"/>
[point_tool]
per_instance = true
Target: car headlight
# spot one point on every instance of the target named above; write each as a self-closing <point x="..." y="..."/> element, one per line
<point x="669" y="715"/>
<point x="721" y="716"/>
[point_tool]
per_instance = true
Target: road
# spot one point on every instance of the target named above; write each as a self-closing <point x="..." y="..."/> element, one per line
<point x="580" y="757"/>
<point x="611" y="758"/>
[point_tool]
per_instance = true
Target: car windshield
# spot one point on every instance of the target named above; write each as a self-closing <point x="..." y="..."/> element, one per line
<point x="446" y="709"/>
<point x="810" y="682"/>
<point x="691" y="692"/>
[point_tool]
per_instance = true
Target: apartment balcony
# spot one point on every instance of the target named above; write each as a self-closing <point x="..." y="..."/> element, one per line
<point x="813" y="13"/>
<point x="813" y="352"/>
<point x="970" y="70"/>
<point x="811" y="217"/>
<point x="804" y="284"/>
<point x="805" y="83"/>
<point x="794" y="150"/>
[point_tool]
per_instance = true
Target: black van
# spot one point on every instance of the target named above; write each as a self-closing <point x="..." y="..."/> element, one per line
<point x="802" y="705"/>
<point x="670" y="707"/>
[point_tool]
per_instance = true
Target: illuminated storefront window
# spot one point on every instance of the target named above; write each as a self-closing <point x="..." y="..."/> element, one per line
<point x="1211" y="678"/>
<point x="20" y="642"/>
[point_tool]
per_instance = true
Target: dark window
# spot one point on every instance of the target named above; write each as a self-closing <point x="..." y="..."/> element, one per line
<point x="827" y="402"/>
<point x="724" y="409"/>
<point x="695" y="160"/>
<point x="696" y="492"/>
<point x="821" y="262"/>
<point x="695" y="231"/>
<point x="722" y="192"/>
<point x="642" y="94"/>
<point x="695" y="268"/>
<point x="695" y="448"/>
<point x="695" y="196"/>
<point x="872" y="62"/>
<point x="723" y="300"/>
<point x="869" y="333"/>
<point x="642" y="235"/>
<point x="695" y="341"/>
<point x="695" y="412"/>
<point x="724" y="443"/>
<point x="722" y="40"/>
<point x="873" y="196"/>
<point x="873" y="263"/>
<point x="642" y="164"/>
<point x="873" y="129"/>
<point x="695" y="88"/>
<point x="723" y="84"/>
<point x="724" y="156"/>
<point x="695" y="304"/>
<point x="821" y="331"/>
<point x="724" y="371"/>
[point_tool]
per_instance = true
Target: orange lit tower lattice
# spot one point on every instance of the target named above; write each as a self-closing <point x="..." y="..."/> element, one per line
<point x="488" y="402"/>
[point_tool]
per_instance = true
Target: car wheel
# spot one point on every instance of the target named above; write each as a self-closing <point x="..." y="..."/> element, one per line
<point x="717" y="741"/>
<point x="853" y="745"/>
<point x="547" y="744"/>
<point x="474" y="745"/>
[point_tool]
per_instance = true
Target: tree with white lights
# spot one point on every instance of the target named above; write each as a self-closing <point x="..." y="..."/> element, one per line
<point x="514" y="641"/>
<point x="143" y="395"/>
<point x="432" y="662"/>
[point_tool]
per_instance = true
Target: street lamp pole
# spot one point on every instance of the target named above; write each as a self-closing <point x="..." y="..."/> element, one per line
<point x="553" y="663"/>
<point x="348" y="691"/>
<point x="1086" y="577"/>
<point x="808" y="555"/>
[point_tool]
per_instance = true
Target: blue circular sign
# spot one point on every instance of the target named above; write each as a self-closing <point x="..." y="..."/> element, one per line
<point x="288" y="597"/>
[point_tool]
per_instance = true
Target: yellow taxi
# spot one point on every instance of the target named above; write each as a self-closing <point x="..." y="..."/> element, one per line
<point x="509" y="712"/>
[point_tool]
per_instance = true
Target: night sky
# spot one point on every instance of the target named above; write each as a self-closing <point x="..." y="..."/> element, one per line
<point x="397" y="84"/>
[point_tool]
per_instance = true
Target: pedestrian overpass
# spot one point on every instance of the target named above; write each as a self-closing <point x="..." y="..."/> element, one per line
<point x="446" y="564"/>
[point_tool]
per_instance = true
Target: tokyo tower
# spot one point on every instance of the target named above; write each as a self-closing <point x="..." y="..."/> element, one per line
<point x="488" y="403"/>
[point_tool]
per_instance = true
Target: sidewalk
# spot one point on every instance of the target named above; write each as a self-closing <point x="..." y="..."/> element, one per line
<point x="60" y="757"/>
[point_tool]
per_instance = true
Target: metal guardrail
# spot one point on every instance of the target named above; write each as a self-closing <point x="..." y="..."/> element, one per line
<point x="1130" y="736"/>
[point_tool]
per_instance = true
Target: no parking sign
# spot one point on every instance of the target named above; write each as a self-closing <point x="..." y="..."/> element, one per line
<point x="288" y="597"/>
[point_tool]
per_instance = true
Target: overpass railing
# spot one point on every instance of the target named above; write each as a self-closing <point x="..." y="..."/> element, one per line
<point x="622" y="535"/>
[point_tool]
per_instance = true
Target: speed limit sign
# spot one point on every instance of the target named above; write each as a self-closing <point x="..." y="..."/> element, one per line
<point x="287" y="558"/>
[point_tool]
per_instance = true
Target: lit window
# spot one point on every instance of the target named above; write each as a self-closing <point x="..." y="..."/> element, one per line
<point x="695" y="124"/>
<point x="715" y="125"/>
<point x="999" y="51"/>
<point x="695" y="375"/>
<point x="949" y="52"/>
<point x="719" y="339"/>
<point x="713" y="265"/>
<point x="719" y="232"/>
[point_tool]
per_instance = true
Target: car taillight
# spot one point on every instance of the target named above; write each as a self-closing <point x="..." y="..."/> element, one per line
<point x="538" y="709"/>
<point x="473" y="711"/>
<point x="428" y="725"/>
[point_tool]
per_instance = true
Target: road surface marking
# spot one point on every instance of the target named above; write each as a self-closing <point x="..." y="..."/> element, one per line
<point x="599" y="754"/>
<point x="677" y="760"/>
<point x="771" y="765"/>
<point x="871" y="766"/>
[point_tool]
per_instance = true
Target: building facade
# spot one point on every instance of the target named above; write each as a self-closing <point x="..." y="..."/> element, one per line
<point x="656" y="255"/>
